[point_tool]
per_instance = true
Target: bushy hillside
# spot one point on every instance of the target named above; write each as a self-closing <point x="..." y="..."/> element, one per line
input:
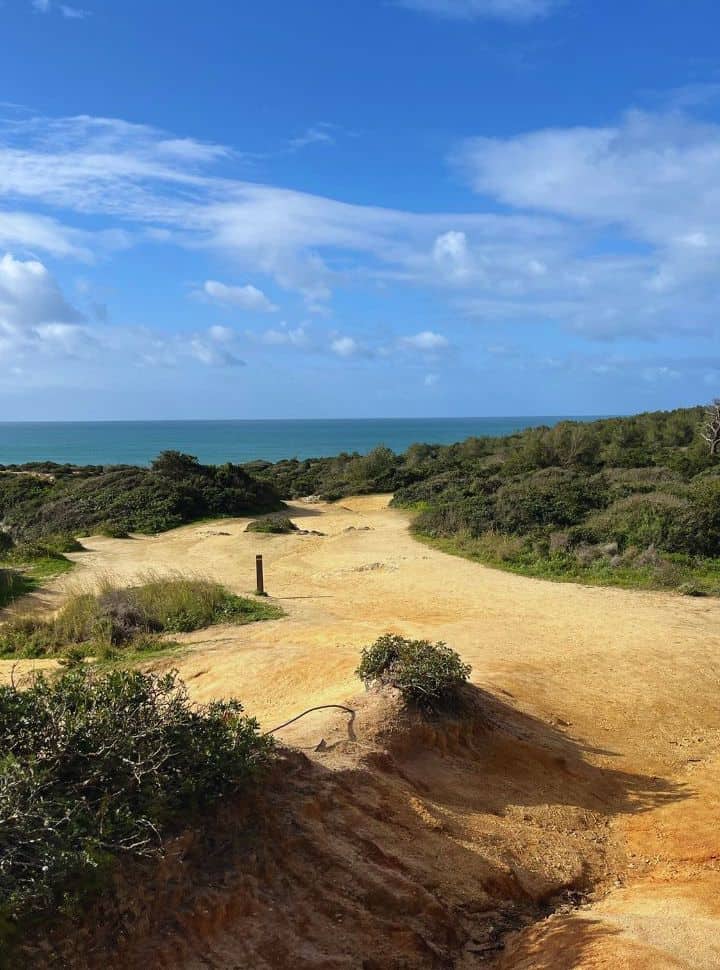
<point x="41" y="500"/>
<point x="629" y="501"/>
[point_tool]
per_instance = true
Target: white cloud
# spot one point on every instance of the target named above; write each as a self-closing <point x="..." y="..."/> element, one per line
<point x="31" y="232"/>
<point x="209" y="353"/>
<point x="288" y="336"/>
<point x="221" y="335"/>
<point x="450" y="252"/>
<point x="247" y="297"/>
<point x="73" y="13"/>
<point x="651" y="174"/>
<point x="29" y="296"/>
<point x="426" y="340"/>
<point x="36" y="320"/>
<point x="517" y="10"/>
<point x="345" y="347"/>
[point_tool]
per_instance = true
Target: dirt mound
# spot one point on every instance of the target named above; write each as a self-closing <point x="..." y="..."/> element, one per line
<point x="432" y="839"/>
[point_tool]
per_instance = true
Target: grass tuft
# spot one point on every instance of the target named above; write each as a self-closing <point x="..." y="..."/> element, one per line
<point x="115" y="617"/>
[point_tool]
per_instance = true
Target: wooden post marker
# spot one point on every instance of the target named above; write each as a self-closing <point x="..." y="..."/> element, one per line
<point x="260" y="578"/>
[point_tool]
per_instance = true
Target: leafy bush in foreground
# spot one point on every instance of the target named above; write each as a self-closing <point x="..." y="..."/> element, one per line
<point x="117" y="616"/>
<point x="95" y="767"/>
<point x="427" y="674"/>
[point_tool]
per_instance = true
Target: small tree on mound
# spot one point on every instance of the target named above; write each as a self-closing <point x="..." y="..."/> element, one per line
<point x="427" y="674"/>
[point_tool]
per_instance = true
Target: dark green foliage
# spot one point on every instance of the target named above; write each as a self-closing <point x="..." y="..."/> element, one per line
<point x="12" y="585"/>
<point x="331" y="478"/>
<point x="273" y="525"/>
<point x="112" y="530"/>
<point x="644" y="519"/>
<point x="428" y="675"/>
<point x="95" y="767"/>
<point x="122" y="499"/>
<point x="48" y="547"/>
<point x="126" y="617"/>
<point x="553" y="496"/>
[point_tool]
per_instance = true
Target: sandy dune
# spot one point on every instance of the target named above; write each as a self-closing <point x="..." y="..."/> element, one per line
<point x="631" y="681"/>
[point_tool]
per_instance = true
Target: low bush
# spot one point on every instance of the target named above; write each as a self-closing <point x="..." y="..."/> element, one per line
<point x="428" y="675"/>
<point x="116" y="616"/>
<point x="273" y="525"/>
<point x="642" y="520"/>
<point x="112" y="530"/>
<point x="12" y="584"/>
<point x="98" y="766"/>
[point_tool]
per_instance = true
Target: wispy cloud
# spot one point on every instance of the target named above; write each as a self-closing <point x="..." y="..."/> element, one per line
<point x="70" y="13"/>
<point x="73" y="13"/>
<point x="512" y="10"/>
<point x="607" y="231"/>
<point x="319" y="134"/>
<point x="246" y="297"/>
<point x="426" y="341"/>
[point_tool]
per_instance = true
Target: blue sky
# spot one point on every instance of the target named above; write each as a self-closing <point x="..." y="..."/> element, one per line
<point x="339" y="208"/>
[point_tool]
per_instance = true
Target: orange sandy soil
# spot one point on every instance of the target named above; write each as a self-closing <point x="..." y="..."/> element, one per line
<point x="574" y="823"/>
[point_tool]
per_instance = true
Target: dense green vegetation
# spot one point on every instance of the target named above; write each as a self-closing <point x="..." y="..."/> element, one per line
<point x="116" y="619"/>
<point x="428" y="675"/>
<point x="43" y="500"/>
<point x="627" y="501"/>
<point x="96" y="767"/>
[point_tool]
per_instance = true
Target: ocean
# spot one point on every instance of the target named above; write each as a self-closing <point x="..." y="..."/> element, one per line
<point x="214" y="442"/>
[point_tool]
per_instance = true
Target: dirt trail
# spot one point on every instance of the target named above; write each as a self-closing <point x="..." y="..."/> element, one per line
<point x="612" y="766"/>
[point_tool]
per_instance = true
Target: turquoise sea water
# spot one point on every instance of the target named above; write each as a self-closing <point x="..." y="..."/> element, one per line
<point x="214" y="442"/>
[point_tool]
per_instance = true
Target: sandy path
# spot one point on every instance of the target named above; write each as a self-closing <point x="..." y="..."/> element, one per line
<point x="633" y="677"/>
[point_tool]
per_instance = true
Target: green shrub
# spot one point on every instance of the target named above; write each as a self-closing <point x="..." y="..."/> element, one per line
<point x="117" y="616"/>
<point x="12" y="585"/>
<point x="428" y="675"/>
<point x="49" y="547"/>
<point x="642" y="520"/>
<point x="96" y="767"/>
<point x="112" y="530"/>
<point x="700" y="526"/>
<point x="273" y="525"/>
